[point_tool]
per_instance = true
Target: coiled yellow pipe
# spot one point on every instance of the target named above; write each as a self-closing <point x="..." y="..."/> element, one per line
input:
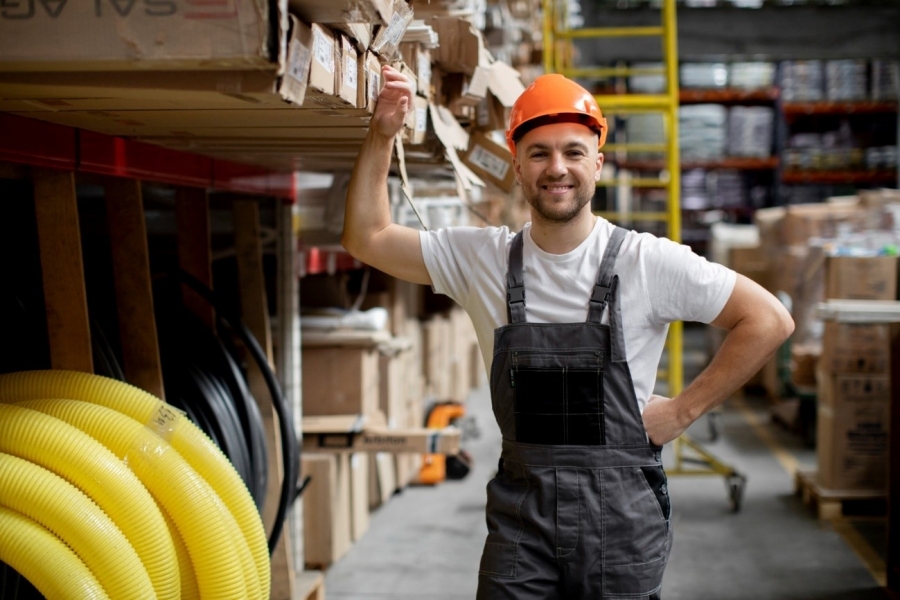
<point x="184" y="436"/>
<point x="44" y="560"/>
<point x="189" y="589"/>
<point x="66" y="511"/>
<point x="88" y="465"/>
<point x="222" y="561"/>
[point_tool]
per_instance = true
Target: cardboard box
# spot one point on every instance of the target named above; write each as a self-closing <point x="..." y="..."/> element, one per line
<point x="373" y="81"/>
<point x="419" y="440"/>
<point x="856" y="348"/>
<point x="853" y="431"/>
<point x="324" y="67"/>
<point x="418" y="131"/>
<point x="340" y="380"/>
<point x="358" y="463"/>
<point x="382" y="477"/>
<point x="392" y="396"/>
<point x="804" y="221"/>
<point x="461" y="45"/>
<point x="804" y="359"/>
<point x="349" y="72"/>
<point x="861" y="278"/>
<point x="435" y="357"/>
<point x="299" y="62"/>
<point x="388" y="37"/>
<point x="108" y="35"/>
<point x="490" y="161"/>
<point x="326" y="508"/>
<point x="754" y="264"/>
<point x="376" y="12"/>
<point x="419" y="61"/>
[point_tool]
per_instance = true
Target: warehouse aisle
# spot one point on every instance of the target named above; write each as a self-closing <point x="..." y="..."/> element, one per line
<point x="426" y="542"/>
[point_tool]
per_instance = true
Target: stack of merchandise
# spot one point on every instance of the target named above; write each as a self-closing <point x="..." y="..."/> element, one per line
<point x="802" y="80"/>
<point x="845" y="80"/>
<point x="701" y="131"/>
<point x="729" y="186"/>
<point x="647" y="84"/>
<point x="694" y="192"/>
<point x="881" y="157"/>
<point x="750" y="131"/>
<point x="704" y="75"/>
<point x="645" y="129"/>
<point x="752" y="75"/>
<point x="885" y="80"/>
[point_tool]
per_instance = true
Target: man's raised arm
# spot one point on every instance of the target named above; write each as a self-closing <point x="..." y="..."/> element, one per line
<point x="369" y="234"/>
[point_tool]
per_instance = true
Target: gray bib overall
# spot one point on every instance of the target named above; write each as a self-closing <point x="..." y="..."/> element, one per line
<point x="579" y="506"/>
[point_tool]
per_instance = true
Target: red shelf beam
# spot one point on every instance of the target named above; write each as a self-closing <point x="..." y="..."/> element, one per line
<point x="746" y="164"/>
<point x="34" y="142"/>
<point x="795" y="109"/>
<point x="838" y="177"/>
<point x="727" y="96"/>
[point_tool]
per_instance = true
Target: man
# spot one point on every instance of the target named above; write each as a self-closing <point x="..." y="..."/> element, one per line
<point x="571" y="316"/>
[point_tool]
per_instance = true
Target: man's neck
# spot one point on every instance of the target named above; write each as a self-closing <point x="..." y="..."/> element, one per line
<point x="560" y="238"/>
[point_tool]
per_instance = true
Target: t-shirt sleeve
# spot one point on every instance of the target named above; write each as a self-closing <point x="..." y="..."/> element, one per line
<point x="683" y="286"/>
<point x="450" y="255"/>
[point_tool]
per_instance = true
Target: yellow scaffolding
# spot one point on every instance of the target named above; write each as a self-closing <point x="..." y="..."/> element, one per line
<point x="559" y="55"/>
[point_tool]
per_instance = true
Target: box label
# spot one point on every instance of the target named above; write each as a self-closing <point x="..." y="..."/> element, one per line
<point x="323" y="50"/>
<point x="350" y="73"/>
<point x="298" y="63"/>
<point x="489" y="162"/>
<point x="374" y="85"/>
<point x="421" y="118"/>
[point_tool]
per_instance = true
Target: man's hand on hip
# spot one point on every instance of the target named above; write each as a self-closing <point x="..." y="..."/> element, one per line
<point x="662" y="420"/>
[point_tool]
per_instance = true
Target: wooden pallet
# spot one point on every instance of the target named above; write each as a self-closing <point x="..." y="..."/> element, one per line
<point x="309" y="585"/>
<point x="833" y="504"/>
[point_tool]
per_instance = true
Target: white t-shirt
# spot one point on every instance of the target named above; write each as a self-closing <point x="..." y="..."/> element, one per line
<point x="659" y="282"/>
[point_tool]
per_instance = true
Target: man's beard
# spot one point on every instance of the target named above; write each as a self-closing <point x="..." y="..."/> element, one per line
<point x="558" y="212"/>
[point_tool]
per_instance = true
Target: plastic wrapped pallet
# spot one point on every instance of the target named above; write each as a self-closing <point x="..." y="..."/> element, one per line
<point x="645" y="129"/>
<point x="802" y="80"/>
<point x="694" y="192"/>
<point x="751" y="75"/>
<point x="647" y="84"/>
<point x="704" y="75"/>
<point x="845" y="80"/>
<point x="885" y="79"/>
<point x="750" y="131"/>
<point x="701" y="131"/>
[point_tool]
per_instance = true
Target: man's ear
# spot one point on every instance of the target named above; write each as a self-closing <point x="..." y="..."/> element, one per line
<point x="517" y="169"/>
<point x="599" y="166"/>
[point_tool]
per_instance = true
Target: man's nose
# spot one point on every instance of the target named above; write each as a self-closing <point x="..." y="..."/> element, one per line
<point x="557" y="164"/>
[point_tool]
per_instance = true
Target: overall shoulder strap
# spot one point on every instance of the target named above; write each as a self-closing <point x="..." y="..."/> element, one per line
<point x="606" y="292"/>
<point x="515" y="282"/>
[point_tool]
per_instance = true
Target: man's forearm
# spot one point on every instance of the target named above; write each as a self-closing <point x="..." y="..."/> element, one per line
<point x="743" y="353"/>
<point x="367" y="209"/>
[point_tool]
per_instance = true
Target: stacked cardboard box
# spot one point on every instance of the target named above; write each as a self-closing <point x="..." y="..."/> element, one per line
<point x="854" y="379"/>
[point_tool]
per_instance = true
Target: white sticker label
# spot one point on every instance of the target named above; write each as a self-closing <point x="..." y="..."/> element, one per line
<point x="298" y="64"/>
<point x="374" y="84"/>
<point x="396" y="29"/>
<point x="424" y="68"/>
<point x="421" y="118"/>
<point x="489" y="162"/>
<point x="323" y="50"/>
<point x="350" y="75"/>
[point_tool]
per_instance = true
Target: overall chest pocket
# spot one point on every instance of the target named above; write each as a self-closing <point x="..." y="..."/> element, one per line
<point x="558" y="397"/>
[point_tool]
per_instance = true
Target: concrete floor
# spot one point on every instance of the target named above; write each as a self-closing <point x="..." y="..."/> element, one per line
<point x="426" y="542"/>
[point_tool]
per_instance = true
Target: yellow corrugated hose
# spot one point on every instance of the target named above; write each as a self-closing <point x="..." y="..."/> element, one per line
<point x="189" y="589"/>
<point x="65" y="510"/>
<point x="220" y="555"/>
<point x="184" y="436"/>
<point x="88" y="465"/>
<point x="45" y="560"/>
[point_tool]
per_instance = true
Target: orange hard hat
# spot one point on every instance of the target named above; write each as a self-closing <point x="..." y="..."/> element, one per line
<point x="555" y="96"/>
